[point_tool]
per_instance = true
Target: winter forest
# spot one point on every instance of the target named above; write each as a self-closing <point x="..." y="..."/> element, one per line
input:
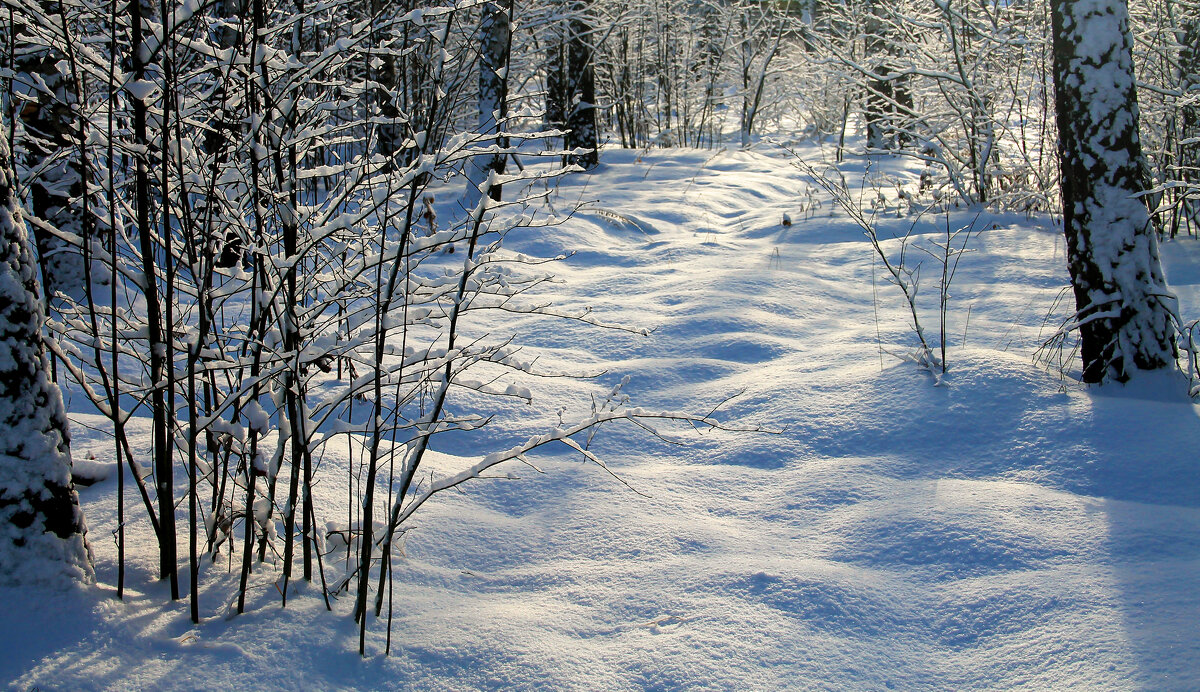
<point x="599" y="344"/>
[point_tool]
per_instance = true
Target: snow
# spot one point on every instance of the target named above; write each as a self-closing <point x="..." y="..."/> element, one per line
<point x="1006" y="528"/>
<point x="141" y="89"/>
<point x="42" y="534"/>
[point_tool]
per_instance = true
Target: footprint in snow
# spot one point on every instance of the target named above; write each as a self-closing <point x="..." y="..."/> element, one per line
<point x="666" y="623"/>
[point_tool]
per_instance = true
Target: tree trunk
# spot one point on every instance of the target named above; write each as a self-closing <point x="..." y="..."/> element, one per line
<point x="582" y="116"/>
<point x="42" y="532"/>
<point x="878" y="107"/>
<point x="1124" y="307"/>
<point x="495" y="36"/>
<point x="155" y="323"/>
<point x="558" y="96"/>
<point x="1189" y="115"/>
<point x="51" y="155"/>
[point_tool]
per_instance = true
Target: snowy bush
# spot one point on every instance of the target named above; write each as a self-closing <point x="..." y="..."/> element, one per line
<point x="291" y="213"/>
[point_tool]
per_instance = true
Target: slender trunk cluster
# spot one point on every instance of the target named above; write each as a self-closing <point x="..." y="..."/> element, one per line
<point x="277" y="277"/>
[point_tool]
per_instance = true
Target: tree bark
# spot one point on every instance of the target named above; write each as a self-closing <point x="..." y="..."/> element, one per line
<point x="51" y="154"/>
<point x="878" y="108"/>
<point x="1189" y="115"/>
<point x="1124" y="306"/>
<point x="495" y="36"/>
<point x="558" y="96"/>
<point x="148" y="239"/>
<point x="581" y="118"/>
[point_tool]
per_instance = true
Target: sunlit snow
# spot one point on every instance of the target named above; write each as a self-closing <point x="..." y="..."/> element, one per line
<point x="1004" y="528"/>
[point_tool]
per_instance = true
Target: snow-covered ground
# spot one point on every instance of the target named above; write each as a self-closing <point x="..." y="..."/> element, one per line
<point x="1004" y="528"/>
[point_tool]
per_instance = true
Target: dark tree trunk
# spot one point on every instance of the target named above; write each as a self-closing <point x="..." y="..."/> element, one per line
<point x="582" y="117"/>
<point x="495" y="35"/>
<point x="558" y="88"/>
<point x="878" y="108"/>
<point x="1189" y="115"/>
<point x="51" y="156"/>
<point x="42" y="532"/>
<point x="1124" y="307"/>
<point x="901" y="107"/>
<point x="156" y="324"/>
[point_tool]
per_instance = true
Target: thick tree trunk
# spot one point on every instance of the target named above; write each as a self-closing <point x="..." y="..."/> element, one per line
<point x="1124" y="307"/>
<point x="582" y="116"/>
<point x="495" y="36"/>
<point x="42" y="532"/>
<point x="51" y="156"/>
<point x="1189" y="115"/>
<point x="878" y="107"/>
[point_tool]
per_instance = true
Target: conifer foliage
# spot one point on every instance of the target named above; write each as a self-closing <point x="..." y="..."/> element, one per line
<point x="42" y="534"/>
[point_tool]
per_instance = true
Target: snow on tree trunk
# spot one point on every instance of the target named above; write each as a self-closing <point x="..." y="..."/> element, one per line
<point x="878" y="102"/>
<point x="495" y="36"/>
<point x="51" y="156"/>
<point x="558" y="89"/>
<point x="42" y="533"/>
<point x="1189" y="78"/>
<point x="582" y="118"/>
<point x="1124" y="307"/>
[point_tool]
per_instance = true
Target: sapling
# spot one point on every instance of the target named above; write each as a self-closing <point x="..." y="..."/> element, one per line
<point x="948" y="257"/>
<point x="899" y="273"/>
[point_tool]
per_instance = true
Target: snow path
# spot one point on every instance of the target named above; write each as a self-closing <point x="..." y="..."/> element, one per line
<point x="1002" y="530"/>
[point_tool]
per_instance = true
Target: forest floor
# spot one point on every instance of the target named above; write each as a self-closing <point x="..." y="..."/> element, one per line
<point x="998" y="526"/>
